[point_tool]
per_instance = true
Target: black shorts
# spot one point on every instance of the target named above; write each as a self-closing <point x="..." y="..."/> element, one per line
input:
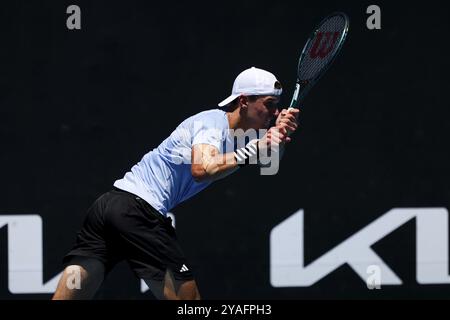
<point x="121" y="226"/>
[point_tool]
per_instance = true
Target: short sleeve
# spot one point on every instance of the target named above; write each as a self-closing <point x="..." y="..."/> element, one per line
<point x="208" y="130"/>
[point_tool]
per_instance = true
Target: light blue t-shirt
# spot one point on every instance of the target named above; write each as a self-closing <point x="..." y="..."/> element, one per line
<point x="163" y="177"/>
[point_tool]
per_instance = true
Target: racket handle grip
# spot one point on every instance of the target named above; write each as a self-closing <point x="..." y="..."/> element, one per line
<point x="294" y="101"/>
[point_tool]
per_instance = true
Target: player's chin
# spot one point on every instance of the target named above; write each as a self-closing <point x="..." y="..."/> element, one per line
<point x="265" y="124"/>
<point x="269" y="123"/>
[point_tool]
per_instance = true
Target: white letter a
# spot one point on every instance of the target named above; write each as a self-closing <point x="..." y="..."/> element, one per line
<point x="74" y="20"/>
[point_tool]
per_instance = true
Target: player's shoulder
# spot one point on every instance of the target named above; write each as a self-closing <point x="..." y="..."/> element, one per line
<point x="211" y="118"/>
<point x="211" y="113"/>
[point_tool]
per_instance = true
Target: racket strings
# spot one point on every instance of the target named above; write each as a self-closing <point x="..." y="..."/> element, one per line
<point x="322" y="48"/>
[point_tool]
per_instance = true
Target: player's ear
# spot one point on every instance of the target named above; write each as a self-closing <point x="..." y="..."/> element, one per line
<point x="243" y="102"/>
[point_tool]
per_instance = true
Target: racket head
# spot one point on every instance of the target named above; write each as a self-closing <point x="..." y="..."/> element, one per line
<point x="319" y="52"/>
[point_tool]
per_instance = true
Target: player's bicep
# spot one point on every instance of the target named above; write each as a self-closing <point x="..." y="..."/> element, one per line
<point x="201" y="156"/>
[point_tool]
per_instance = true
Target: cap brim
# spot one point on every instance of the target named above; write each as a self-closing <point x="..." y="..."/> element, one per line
<point x="228" y="100"/>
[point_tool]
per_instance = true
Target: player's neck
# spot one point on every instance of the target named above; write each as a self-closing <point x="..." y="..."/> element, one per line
<point x="235" y="121"/>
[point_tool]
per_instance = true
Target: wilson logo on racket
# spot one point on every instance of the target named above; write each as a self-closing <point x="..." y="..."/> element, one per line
<point x="322" y="48"/>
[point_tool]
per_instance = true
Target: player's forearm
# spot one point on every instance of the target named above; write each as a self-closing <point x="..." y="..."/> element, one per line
<point x="214" y="167"/>
<point x="220" y="165"/>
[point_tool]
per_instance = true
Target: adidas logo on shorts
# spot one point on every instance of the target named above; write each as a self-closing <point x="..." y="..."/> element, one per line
<point x="184" y="268"/>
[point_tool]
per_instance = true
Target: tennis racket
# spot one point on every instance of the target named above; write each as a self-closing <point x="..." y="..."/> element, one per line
<point x="318" y="53"/>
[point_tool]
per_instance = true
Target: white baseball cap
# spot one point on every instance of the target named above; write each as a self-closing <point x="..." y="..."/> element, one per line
<point x="254" y="81"/>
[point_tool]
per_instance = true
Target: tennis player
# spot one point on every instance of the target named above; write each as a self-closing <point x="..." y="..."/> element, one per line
<point x="130" y="222"/>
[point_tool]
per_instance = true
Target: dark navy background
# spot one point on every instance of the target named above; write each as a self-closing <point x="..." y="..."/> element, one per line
<point x="79" y="108"/>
